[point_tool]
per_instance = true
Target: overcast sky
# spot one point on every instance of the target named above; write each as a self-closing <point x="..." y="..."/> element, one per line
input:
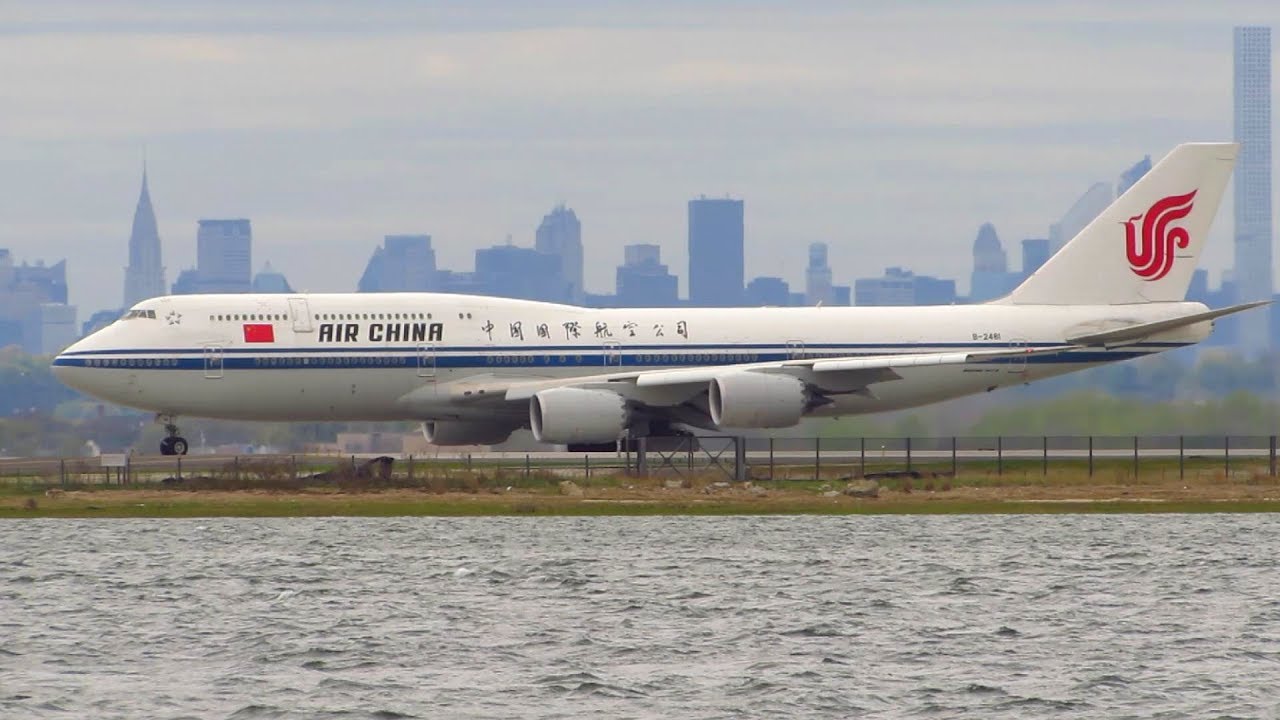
<point x="890" y="130"/>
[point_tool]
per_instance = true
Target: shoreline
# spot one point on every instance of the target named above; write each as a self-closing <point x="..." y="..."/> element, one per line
<point x="617" y="501"/>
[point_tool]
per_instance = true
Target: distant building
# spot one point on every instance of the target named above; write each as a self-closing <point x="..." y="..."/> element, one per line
<point x="817" y="276"/>
<point x="768" y="292"/>
<point x="50" y="328"/>
<point x="224" y="255"/>
<point x="1035" y="251"/>
<point x="1253" y="229"/>
<point x="99" y="320"/>
<point x="1131" y="176"/>
<point x="520" y="272"/>
<point x="268" y="280"/>
<point x="716" y="266"/>
<point x="224" y="259"/>
<point x="34" y="313"/>
<point x="991" y="277"/>
<point x="903" y="287"/>
<point x="1086" y="208"/>
<point x="643" y="281"/>
<point x="144" y="277"/>
<point x="404" y="263"/>
<point x="560" y="234"/>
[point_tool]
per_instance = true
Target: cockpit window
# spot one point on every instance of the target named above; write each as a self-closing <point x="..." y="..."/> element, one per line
<point x="137" y="314"/>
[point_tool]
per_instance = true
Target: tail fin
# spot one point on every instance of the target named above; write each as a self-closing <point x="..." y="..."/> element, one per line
<point x="1145" y="245"/>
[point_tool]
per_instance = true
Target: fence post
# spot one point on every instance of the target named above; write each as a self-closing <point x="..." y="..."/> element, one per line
<point x="955" y="470"/>
<point x="771" y="478"/>
<point x="817" y="458"/>
<point x="862" y="456"/>
<point x="293" y="468"/>
<point x="1182" y="470"/>
<point x="179" y="475"/>
<point x="1135" y="457"/>
<point x="1090" y="456"/>
<point x="62" y="471"/>
<point x="1226" y="454"/>
<point x="1044" y="465"/>
<point x="128" y="462"/>
<point x="409" y="480"/>
<point x="999" y="455"/>
<point x="908" y="453"/>
<point x="1272" y="464"/>
<point x="526" y="468"/>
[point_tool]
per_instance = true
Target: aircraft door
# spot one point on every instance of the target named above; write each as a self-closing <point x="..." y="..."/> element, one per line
<point x="427" y="361"/>
<point x="795" y="350"/>
<point x="213" y="361"/>
<point x="1017" y="364"/>
<point x="613" y="354"/>
<point x="301" y="314"/>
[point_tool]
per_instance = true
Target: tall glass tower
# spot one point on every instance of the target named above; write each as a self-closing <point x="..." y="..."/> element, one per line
<point x="715" y="252"/>
<point x="1253" y="181"/>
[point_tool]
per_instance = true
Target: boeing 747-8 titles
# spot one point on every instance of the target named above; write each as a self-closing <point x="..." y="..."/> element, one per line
<point x="475" y="369"/>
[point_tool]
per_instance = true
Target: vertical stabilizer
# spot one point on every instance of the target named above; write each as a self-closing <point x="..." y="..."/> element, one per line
<point x="1145" y="245"/>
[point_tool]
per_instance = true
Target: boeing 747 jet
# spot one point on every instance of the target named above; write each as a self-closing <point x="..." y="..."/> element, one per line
<point x="475" y="369"/>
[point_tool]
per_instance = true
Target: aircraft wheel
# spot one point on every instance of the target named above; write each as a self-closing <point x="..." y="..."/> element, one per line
<point x="179" y="445"/>
<point x="166" y="446"/>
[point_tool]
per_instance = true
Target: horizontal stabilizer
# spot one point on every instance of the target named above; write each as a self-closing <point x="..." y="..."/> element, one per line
<point x="1135" y="333"/>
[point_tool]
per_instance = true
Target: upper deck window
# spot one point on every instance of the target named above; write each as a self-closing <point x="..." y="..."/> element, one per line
<point x="135" y="314"/>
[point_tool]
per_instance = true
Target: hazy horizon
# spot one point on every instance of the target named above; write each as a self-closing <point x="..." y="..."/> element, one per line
<point x="891" y="132"/>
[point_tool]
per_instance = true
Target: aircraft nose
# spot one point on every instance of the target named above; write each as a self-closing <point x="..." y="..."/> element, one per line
<point x="65" y="364"/>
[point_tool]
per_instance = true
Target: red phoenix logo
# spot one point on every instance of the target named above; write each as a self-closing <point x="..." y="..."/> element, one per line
<point x="1151" y="256"/>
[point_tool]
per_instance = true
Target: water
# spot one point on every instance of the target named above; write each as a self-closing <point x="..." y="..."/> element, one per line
<point x="885" y="617"/>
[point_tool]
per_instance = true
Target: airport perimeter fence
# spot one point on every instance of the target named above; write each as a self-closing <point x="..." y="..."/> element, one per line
<point x="716" y="458"/>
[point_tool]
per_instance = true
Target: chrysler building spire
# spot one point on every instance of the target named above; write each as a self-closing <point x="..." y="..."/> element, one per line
<point x="144" y="277"/>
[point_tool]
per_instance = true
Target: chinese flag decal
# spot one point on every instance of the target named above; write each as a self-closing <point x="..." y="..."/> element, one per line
<point x="259" y="333"/>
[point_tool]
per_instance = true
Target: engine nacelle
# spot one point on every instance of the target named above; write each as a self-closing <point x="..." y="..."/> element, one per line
<point x="466" y="432"/>
<point x="756" y="400"/>
<point x="575" y="415"/>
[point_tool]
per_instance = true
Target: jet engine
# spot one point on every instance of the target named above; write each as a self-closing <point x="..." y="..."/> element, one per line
<point x="466" y="432"/>
<point x="576" y="415"/>
<point x="756" y="400"/>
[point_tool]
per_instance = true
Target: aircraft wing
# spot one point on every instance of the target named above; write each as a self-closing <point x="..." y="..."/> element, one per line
<point x="1136" y="333"/>
<point x="832" y="375"/>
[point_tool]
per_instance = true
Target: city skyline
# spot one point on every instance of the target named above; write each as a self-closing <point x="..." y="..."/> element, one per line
<point x="670" y="102"/>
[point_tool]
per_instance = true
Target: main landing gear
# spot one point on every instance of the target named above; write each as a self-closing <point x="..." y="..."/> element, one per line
<point x="173" y="443"/>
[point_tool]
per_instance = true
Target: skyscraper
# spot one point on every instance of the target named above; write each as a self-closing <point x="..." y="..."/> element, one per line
<point x="224" y="254"/>
<point x="1035" y="251"/>
<point x="1089" y="206"/>
<point x="405" y="263"/>
<point x="716" y="267"/>
<point x="642" y="279"/>
<point x="1252" y="98"/>
<point x="560" y="234"/>
<point x="817" y="276"/>
<point x="991" y="277"/>
<point x="1133" y="175"/>
<point x="144" y="277"/>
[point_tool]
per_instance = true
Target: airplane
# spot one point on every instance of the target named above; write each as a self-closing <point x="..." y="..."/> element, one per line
<point x="474" y="369"/>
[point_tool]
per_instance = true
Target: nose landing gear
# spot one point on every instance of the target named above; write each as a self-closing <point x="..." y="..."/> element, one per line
<point x="173" y="443"/>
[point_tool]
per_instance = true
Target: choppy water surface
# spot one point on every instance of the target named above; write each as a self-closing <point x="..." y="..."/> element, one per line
<point x="1132" y="616"/>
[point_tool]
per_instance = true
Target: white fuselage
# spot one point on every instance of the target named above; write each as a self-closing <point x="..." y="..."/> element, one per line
<point x="358" y="356"/>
